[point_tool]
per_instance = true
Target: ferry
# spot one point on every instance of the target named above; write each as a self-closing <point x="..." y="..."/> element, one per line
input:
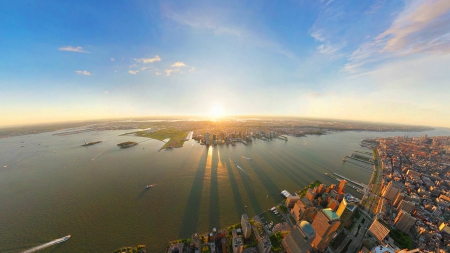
<point x="65" y="238"/>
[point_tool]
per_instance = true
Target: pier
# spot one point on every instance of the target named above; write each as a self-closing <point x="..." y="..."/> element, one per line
<point x="359" y="189"/>
<point x="351" y="181"/>
<point x="358" y="164"/>
<point x="359" y="160"/>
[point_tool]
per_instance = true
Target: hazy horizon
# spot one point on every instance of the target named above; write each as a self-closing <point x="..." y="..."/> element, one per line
<point x="205" y="118"/>
<point x="375" y="61"/>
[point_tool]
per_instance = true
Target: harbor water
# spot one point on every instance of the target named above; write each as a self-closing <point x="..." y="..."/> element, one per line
<point x="50" y="186"/>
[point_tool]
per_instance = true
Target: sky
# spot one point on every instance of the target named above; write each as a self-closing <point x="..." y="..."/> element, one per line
<point x="374" y="60"/>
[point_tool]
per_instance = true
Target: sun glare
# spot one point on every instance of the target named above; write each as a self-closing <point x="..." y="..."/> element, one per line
<point x="217" y="111"/>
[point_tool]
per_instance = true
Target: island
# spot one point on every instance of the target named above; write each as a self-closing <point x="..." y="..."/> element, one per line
<point x="90" y="143"/>
<point x="127" y="144"/>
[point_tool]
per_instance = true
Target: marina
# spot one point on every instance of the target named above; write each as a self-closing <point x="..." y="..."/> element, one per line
<point x="358" y="189"/>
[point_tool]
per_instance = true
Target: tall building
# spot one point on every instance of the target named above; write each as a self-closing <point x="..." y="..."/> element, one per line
<point x="237" y="243"/>
<point x="325" y="224"/>
<point x="300" y="238"/>
<point x="407" y="206"/>
<point x="207" y="138"/>
<point x="391" y="190"/>
<point x="379" y="230"/>
<point x="264" y="245"/>
<point x="399" y="199"/>
<point x="291" y="200"/>
<point x="346" y="208"/>
<point x="404" y="221"/>
<point x="321" y="188"/>
<point x="311" y="194"/>
<point x="303" y="210"/>
<point x="341" y="186"/>
<point x="246" y="227"/>
<point x="333" y="204"/>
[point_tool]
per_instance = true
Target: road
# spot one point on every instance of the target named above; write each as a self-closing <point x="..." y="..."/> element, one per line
<point x="371" y="198"/>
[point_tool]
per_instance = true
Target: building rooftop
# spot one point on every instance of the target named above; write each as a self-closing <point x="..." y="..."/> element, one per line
<point x="382" y="249"/>
<point x="306" y="227"/>
<point x="330" y="214"/>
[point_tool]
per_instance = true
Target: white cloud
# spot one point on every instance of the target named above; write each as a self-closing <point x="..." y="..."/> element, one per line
<point x="106" y="92"/>
<point x="148" y="60"/>
<point x="168" y="71"/>
<point x="158" y="73"/>
<point x="327" y="49"/>
<point x="133" y="72"/>
<point x="317" y="35"/>
<point x="72" y="49"/>
<point x="178" y="64"/>
<point x="192" y="69"/>
<point x="83" y="72"/>
<point x="420" y="27"/>
<point x="112" y="59"/>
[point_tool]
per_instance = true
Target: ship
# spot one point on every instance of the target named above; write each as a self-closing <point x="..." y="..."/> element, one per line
<point x="148" y="186"/>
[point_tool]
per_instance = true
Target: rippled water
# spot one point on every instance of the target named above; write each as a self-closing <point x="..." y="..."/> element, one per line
<point x="52" y="187"/>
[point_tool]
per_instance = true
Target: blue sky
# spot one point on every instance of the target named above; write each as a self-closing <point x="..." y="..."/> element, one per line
<point x="383" y="60"/>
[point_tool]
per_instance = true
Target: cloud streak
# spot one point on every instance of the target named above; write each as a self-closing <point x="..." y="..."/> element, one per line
<point x="148" y="60"/>
<point x="72" y="49"/>
<point x="422" y="27"/>
<point x="83" y="72"/>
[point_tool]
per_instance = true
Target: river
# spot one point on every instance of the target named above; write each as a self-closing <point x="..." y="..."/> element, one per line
<point x="50" y="186"/>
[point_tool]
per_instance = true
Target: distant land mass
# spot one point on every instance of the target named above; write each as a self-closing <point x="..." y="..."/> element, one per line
<point x="286" y="125"/>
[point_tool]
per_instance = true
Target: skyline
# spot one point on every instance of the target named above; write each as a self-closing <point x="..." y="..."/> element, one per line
<point x="379" y="61"/>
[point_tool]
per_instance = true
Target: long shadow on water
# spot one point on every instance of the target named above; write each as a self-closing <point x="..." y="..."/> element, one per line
<point x="247" y="185"/>
<point x="287" y="164"/>
<point x="234" y="187"/>
<point x="214" y="211"/>
<point x="192" y="212"/>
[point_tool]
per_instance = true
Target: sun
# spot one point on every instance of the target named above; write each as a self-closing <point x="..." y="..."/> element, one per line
<point x="217" y="111"/>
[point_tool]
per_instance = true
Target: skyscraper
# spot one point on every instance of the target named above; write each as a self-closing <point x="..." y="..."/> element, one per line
<point x="325" y="224"/>
<point x="379" y="230"/>
<point x="341" y="186"/>
<point x="404" y="221"/>
<point x="391" y="191"/>
<point x="346" y="208"/>
<point x="246" y="227"/>
<point x="300" y="238"/>
<point x="406" y="206"/>
<point x="303" y="210"/>
<point x="207" y="138"/>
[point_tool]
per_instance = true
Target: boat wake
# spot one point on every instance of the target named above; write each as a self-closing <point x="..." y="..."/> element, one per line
<point x="99" y="155"/>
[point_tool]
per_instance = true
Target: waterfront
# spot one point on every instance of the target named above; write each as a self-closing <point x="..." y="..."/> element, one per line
<point x="97" y="193"/>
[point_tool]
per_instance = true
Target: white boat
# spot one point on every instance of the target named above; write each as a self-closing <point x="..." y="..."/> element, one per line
<point x="148" y="186"/>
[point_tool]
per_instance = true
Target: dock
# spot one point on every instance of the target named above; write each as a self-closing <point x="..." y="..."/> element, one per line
<point x="359" y="160"/>
<point x="358" y="188"/>
<point x="357" y="164"/>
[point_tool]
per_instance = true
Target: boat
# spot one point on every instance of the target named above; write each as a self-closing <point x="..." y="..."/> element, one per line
<point x="65" y="238"/>
<point x="148" y="186"/>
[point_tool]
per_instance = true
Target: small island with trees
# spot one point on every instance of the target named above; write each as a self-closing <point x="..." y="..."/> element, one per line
<point x="127" y="144"/>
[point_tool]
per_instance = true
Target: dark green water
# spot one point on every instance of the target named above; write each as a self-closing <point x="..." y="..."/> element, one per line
<point x="96" y="193"/>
